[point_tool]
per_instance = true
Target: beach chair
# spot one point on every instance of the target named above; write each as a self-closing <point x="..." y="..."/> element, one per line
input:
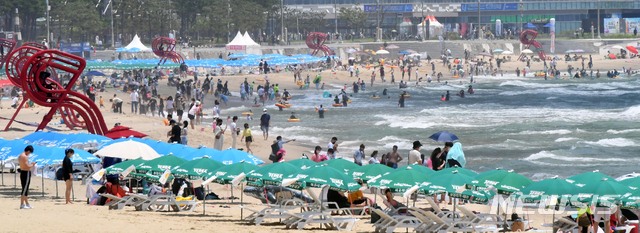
<point x="333" y="206"/>
<point x="118" y="203"/>
<point x="442" y="225"/>
<point x="563" y="224"/>
<point x="440" y="212"/>
<point x="270" y="212"/>
<point x="481" y="219"/>
<point x="481" y="222"/>
<point x="388" y="223"/>
<point x="166" y="203"/>
<point x="325" y="219"/>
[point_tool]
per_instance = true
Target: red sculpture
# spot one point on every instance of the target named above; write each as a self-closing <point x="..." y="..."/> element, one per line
<point x="35" y="69"/>
<point x="164" y="47"/>
<point x="528" y="38"/>
<point x="315" y="41"/>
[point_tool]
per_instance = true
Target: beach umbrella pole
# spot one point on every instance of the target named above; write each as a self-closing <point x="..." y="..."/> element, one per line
<point x="241" y="200"/>
<point x="57" y="189"/>
<point x="15" y="177"/>
<point x="2" y="171"/>
<point x="204" y="206"/>
<point x="42" y="181"/>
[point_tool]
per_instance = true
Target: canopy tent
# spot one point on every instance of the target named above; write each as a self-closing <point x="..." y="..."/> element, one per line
<point x="134" y="46"/>
<point x="435" y="28"/>
<point x="244" y="43"/>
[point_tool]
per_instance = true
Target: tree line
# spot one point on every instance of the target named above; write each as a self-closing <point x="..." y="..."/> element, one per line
<point x="213" y="21"/>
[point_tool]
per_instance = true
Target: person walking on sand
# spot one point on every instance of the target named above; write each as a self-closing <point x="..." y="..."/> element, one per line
<point x="219" y="134"/>
<point x="134" y="101"/>
<point x="247" y="137"/>
<point x="67" y="170"/>
<point x="234" y="131"/>
<point x="25" y="176"/>
<point x="264" y="123"/>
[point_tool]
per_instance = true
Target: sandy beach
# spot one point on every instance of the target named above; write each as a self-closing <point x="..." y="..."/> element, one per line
<point x="50" y="213"/>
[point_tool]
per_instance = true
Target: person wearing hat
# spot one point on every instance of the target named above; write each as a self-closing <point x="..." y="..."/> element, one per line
<point x="264" y="123"/>
<point x="67" y="170"/>
<point x="414" y="155"/>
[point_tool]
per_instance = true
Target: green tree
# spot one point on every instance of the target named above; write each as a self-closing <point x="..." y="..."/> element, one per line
<point x="354" y="16"/>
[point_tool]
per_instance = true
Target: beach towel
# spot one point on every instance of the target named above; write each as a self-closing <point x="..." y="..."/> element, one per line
<point x="456" y="153"/>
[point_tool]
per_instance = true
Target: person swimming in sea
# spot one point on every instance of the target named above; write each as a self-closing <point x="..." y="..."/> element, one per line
<point x="470" y="90"/>
<point x="293" y="116"/>
<point x="336" y="100"/>
<point x="447" y="96"/>
<point x="384" y="92"/>
<point x="461" y="93"/>
<point x="442" y="98"/>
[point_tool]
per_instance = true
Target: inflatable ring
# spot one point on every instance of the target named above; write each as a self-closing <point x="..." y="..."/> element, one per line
<point x="247" y="113"/>
<point x="456" y="76"/>
<point x="375" y="97"/>
<point x="349" y="101"/>
<point x="293" y="120"/>
<point x="283" y="105"/>
<point x="337" y="105"/>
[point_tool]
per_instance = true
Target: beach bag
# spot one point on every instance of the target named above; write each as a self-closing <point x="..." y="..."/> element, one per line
<point x="584" y="220"/>
<point x="374" y="216"/>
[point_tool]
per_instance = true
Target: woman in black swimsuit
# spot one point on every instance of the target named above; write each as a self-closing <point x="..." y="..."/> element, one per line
<point x="67" y="169"/>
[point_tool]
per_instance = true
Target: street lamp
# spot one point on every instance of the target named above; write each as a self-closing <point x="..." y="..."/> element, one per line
<point x="479" y="32"/>
<point x="48" y="19"/>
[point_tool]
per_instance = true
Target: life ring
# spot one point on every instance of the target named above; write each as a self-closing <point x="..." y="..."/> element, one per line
<point x="282" y="105"/>
<point x="337" y="105"/>
<point x="293" y="120"/>
<point x="247" y="113"/>
<point x="456" y="76"/>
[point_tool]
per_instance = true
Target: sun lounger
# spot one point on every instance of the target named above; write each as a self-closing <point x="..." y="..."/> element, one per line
<point x="166" y="203"/>
<point x="440" y="212"/>
<point x="389" y="223"/>
<point x="116" y="202"/>
<point x="565" y="225"/>
<point x="300" y="220"/>
<point x="270" y="212"/>
<point x="442" y="225"/>
<point x="326" y="205"/>
<point x="485" y="221"/>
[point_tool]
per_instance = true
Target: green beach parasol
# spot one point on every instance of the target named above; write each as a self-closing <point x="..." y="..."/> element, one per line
<point x="450" y="181"/>
<point x="340" y="164"/>
<point x="368" y="172"/>
<point x="121" y="167"/>
<point x="506" y="182"/>
<point x="475" y="196"/>
<point x="196" y="169"/>
<point x="557" y="187"/>
<point x="225" y="174"/>
<point x="324" y="175"/>
<point x="400" y="180"/>
<point x="587" y="177"/>
<point x="159" y="165"/>
<point x="603" y="192"/>
<point x="271" y="174"/>
<point x="632" y="182"/>
<point x="302" y="163"/>
<point x="632" y="200"/>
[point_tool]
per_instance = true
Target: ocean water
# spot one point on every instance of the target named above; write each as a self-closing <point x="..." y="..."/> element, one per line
<point x="537" y="128"/>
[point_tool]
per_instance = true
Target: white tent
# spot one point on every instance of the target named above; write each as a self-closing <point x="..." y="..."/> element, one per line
<point x="244" y="44"/>
<point x="435" y="27"/>
<point x="134" y="46"/>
